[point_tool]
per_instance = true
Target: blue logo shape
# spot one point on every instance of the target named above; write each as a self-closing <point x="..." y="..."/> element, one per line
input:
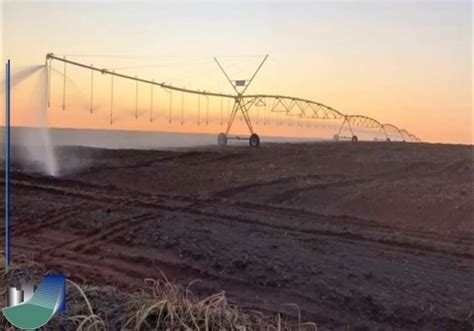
<point x="28" y="310"/>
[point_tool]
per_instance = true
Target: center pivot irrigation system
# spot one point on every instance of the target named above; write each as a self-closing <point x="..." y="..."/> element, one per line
<point x="242" y="103"/>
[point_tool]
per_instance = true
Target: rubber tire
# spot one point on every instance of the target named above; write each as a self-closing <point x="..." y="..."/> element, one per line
<point x="222" y="139"/>
<point x="354" y="139"/>
<point x="336" y="137"/>
<point x="254" y="140"/>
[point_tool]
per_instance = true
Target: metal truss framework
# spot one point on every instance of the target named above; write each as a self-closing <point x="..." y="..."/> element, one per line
<point x="289" y="106"/>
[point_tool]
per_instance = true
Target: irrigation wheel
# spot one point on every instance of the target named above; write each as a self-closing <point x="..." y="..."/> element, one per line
<point x="222" y="139"/>
<point x="254" y="140"/>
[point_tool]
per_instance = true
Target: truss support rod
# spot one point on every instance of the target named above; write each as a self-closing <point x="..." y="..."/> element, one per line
<point x="64" y="85"/>
<point x="255" y="74"/>
<point x="111" y="99"/>
<point x="227" y="76"/>
<point x="280" y="98"/>
<point x="232" y="117"/>
<point x="207" y="110"/>
<point x="239" y="104"/>
<point x="182" y="108"/>
<point x="92" y="91"/>
<point x="136" y="99"/>
<point x="49" y="83"/>
<point x="146" y="81"/>
<point x="170" y="115"/>
<point x="342" y="125"/>
<point x="222" y="101"/>
<point x="401" y="135"/>
<point x="243" y="107"/>
<point x="199" y="109"/>
<point x="350" y="127"/>
<point x="378" y="132"/>
<point x="151" y="102"/>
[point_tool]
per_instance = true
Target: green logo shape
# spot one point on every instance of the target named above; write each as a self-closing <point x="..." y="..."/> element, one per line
<point x="41" y="307"/>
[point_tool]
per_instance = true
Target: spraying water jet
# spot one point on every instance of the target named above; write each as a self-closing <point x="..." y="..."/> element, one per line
<point x="33" y="148"/>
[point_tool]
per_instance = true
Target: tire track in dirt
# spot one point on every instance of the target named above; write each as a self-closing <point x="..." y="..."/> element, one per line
<point x="98" y="238"/>
<point x="342" y="182"/>
<point x="48" y="219"/>
<point x="219" y="215"/>
<point x="217" y="158"/>
<point x="239" y="189"/>
<point x="148" y="163"/>
<point x="145" y="200"/>
<point x="353" y="220"/>
<point x="415" y="170"/>
<point x="186" y="200"/>
<point x="105" y="267"/>
<point x="344" y="235"/>
<point x="401" y="281"/>
<point x="110" y="269"/>
<point x="367" y="228"/>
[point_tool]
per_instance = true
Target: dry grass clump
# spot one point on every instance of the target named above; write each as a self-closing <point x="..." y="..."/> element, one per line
<point x="168" y="306"/>
<point x="89" y="321"/>
<point x="160" y="305"/>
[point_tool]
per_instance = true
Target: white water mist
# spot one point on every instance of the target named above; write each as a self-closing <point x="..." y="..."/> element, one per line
<point x="36" y="152"/>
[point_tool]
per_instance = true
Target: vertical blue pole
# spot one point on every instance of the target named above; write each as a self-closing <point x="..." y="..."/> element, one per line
<point x="7" y="167"/>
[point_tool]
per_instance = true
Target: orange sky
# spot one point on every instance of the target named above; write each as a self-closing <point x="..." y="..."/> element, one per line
<point x="405" y="63"/>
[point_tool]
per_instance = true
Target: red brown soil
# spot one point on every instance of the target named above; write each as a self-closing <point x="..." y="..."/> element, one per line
<point x="366" y="235"/>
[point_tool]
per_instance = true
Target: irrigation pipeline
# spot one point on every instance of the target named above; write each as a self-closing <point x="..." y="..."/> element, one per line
<point x="290" y="106"/>
<point x="51" y="56"/>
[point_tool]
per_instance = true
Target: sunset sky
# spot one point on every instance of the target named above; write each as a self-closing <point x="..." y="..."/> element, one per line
<point x="402" y="62"/>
